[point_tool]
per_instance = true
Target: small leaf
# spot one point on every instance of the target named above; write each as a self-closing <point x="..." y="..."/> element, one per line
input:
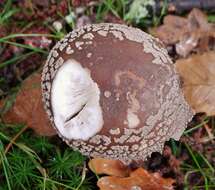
<point x="139" y="179"/>
<point x="109" y="167"/>
<point x="198" y="76"/>
<point x="28" y="108"/>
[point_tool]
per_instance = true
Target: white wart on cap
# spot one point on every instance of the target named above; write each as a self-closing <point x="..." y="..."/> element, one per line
<point x="111" y="91"/>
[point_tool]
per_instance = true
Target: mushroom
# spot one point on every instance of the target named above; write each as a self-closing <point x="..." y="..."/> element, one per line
<point x="111" y="91"/>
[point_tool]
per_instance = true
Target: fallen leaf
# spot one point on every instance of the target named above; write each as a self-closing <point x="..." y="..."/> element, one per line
<point x="123" y="178"/>
<point x="139" y="179"/>
<point x="172" y="25"/>
<point x="197" y="19"/>
<point x="198" y="76"/>
<point x="187" y="43"/>
<point x="28" y="108"/>
<point x="109" y="167"/>
<point x="191" y="34"/>
<point x="198" y="34"/>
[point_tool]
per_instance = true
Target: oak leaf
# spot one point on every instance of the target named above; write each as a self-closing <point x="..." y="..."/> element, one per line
<point x="123" y="178"/>
<point x="198" y="77"/>
<point x="139" y="179"/>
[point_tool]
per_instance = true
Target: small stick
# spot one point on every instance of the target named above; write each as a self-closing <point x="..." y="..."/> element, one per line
<point x="210" y="135"/>
<point x="15" y="138"/>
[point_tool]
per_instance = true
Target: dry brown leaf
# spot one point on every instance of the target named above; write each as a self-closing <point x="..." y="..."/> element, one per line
<point x="191" y="34"/>
<point x="198" y="35"/>
<point x="198" y="76"/>
<point x="197" y="19"/>
<point x="139" y="179"/>
<point x="187" y="43"/>
<point x="122" y="178"/>
<point x="28" y="108"/>
<point x="109" y="167"/>
<point x="172" y="25"/>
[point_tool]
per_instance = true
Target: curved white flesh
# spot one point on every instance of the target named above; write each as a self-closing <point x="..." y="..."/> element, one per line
<point x="75" y="102"/>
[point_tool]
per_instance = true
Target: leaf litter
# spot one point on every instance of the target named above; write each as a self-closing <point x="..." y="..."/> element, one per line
<point x="191" y="37"/>
<point x="28" y="108"/>
<point x="193" y="34"/>
<point x="198" y="81"/>
<point x="138" y="179"/>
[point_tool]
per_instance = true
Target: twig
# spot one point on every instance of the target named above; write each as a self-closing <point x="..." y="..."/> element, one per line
<point x="208" y="130"/>
<point x="83" y="176"/>
<point x="206" y="139"/>
<point x="15" y="138"/>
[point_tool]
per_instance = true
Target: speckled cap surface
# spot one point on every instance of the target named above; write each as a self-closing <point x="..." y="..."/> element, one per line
<point x="140" y="97"/>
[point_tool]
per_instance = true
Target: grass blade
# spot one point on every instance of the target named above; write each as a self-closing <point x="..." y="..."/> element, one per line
<point x="16" y="58"/>
<point x="5" y="165"/>
<point x="24" y="46"/>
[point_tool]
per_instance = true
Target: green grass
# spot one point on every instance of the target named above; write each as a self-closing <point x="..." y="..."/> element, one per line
<point x="199" y="165"/>
<point x="32" y="50"/>
<point x="196" y="164"/>
<point x="115" y="7"/>
<point x="7" y="12"/>
<point x="35" y="161"/>
<point x="41" y="163"/>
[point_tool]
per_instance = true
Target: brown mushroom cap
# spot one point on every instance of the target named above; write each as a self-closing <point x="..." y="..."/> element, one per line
<point x="137" y="90"/>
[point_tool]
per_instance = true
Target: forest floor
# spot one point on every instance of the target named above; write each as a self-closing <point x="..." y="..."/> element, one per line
<point x="33" y="160"/>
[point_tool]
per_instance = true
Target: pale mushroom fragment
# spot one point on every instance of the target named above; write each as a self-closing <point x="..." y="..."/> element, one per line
<point x="111" y="91"/>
